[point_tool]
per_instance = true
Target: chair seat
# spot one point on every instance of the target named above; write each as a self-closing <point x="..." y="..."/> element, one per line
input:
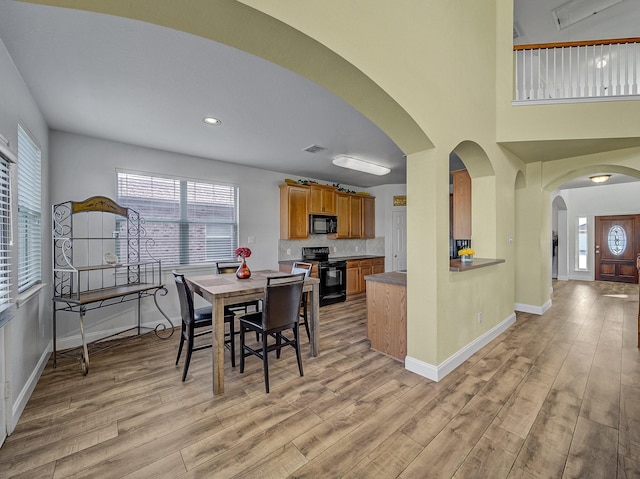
<point x="204" y="313"/>
<point x="254" y="319"/>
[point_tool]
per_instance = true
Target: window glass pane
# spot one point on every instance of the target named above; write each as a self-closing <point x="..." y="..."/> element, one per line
<point x="29" y="213"/>
<point x="582" y="243"/>
<point x="617" y="240"/>
<point x="188" y="222"/>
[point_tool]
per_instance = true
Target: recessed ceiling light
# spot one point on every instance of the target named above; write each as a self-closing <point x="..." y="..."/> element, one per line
<point x="209" y="120"/>
<point x="360" y="165"/>
<point x="599" y="178"/>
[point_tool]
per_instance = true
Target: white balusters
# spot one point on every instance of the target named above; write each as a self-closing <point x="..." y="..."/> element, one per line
<point x="577" y="71"/>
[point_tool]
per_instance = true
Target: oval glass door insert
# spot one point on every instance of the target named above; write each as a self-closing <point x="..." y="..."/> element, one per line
<point x="617" y="240"/>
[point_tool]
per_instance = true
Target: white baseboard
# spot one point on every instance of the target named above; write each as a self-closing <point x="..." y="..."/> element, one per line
<point x="529" y="308"/>
<point x="436" y="373"/>
<point x="76" y="340"/>
<point x="563" y="278"/>
<point x="22" y="399"/>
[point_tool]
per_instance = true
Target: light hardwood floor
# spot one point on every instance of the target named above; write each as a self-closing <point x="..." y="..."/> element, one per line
<point x="555" y="396"/>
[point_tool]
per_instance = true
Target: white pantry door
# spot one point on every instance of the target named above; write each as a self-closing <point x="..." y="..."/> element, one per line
<point x="399" y="243"/>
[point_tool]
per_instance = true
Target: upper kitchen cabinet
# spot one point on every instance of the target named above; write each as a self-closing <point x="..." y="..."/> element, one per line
<point x="356" y="216"/>
<point x="355" y="219"/>
<point x="461" y="204"/>
<point x="294" y="211"/>
<point x="368" y="217"/>
<point x="323" y="199"/>
<point x="343" y="211"/>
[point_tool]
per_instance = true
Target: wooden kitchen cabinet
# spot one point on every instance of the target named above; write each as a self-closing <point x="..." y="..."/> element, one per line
<point x="366" y="268"/>
<point x="355" y="218"/>
<point x="377" y="265"/>
<point x="357" y="269"/>
<point x="323" y="199"/>
<point x="294" y="211"/>
<point x="461" y="204"/>
<point x="368" y="217"/>
<point x="343" y="211"/>
<point x="351" y="210"/>
<point x="353" y="277"/>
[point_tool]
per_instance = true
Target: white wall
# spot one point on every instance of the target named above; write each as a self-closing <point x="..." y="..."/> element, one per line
<point x="85" y="166"/>
<point x="603" y="200"/>
<point x="27" y="338"/>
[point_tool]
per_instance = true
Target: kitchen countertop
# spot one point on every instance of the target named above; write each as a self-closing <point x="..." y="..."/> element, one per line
<point x="393" y="277"/>
<point x="457" y="266"/>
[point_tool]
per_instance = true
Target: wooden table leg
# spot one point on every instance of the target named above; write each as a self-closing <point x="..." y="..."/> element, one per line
<point x="314" y="324"/>
<point x="218" y="346"/>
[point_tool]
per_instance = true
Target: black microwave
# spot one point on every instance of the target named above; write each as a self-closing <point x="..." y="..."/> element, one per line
<point x="323" y="224"/>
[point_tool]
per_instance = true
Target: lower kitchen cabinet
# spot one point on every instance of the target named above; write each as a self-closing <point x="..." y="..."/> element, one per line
<point x="357" y="269"/>
<point x="353" y="277"/>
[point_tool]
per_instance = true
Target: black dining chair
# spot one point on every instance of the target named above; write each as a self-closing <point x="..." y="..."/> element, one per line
<point x="280" y="312"/>
<point x="198" y="319"/>
<point x="225" y="267"/>
<point x="299" y="267"/>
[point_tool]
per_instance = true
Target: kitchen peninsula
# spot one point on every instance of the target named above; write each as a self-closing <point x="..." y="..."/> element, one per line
<point x="387" y="313"/>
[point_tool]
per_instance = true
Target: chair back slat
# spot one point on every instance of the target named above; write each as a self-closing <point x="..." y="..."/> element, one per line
<point x="185" y="298"/>
<point x="282" y="301"/>
<point x="223" y="267"/>
<point x="299" y="267"/>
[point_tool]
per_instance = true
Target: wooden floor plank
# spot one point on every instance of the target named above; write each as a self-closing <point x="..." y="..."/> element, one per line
<point x="593" y="451"/>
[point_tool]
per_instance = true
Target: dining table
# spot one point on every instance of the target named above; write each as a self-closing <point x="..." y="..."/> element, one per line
<point x="226" y="289"/>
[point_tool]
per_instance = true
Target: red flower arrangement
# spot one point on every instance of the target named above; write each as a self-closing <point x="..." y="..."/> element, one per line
<point x="243" y="252"/>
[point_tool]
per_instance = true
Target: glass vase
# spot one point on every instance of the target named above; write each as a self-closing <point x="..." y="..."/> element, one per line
<point x="243" y="271"/>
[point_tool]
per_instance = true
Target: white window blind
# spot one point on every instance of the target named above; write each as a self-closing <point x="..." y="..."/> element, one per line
<point x="29" y="213"/>
<point x="5" y="240"/>
<point x="189" y="221"/>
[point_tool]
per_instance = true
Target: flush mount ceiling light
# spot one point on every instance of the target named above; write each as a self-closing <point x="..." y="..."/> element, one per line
<point x="599" y="178"/>
<point x="209" y="120"/>
<point x="360" y="165"/>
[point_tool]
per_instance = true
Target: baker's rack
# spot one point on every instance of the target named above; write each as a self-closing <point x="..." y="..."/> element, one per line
<point x="88" y="237"/>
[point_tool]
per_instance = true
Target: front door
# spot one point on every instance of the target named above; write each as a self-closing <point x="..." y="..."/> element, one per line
<point x="616" y="246"/>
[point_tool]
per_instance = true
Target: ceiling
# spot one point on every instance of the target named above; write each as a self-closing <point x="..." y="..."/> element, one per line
<point x="143" y="84"/>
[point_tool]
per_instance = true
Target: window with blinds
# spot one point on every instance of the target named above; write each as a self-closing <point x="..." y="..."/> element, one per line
<point x="6" y="312"/>
<point x="29" y="213"/>
<point x="189" y="221"/>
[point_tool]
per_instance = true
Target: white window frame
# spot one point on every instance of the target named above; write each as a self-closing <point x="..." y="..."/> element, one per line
<point x="181" y="192"/>
<point x="29" y="211"/>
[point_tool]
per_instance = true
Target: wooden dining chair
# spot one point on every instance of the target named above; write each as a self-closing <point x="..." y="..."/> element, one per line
<point x="299" y="267"/>
<point x="281" y="312"/>
<point x="194" y="319"/>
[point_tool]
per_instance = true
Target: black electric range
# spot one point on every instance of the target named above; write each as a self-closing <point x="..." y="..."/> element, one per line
<point x="332" y="273"/>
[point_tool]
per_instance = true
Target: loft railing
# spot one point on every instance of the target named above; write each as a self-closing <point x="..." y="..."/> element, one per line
<point x="590" y="69"/>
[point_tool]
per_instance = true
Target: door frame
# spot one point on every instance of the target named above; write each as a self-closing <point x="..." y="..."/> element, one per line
<point x="634" y="242"/>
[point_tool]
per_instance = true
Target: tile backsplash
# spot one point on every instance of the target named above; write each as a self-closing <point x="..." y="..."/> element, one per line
<point x="292" y="249"/>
